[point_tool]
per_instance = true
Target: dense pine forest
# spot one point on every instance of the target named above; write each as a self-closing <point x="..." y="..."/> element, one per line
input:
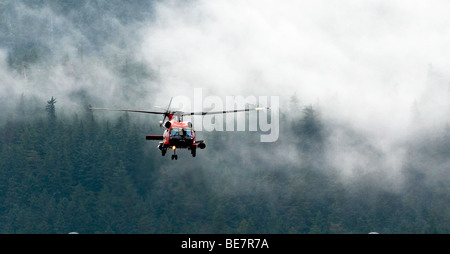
<point x="64" y="168"/>
<point x="75" y="173"/>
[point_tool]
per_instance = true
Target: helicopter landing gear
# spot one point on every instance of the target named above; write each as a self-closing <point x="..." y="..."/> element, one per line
<point x="174" y="155"/>
<point x="162" y="148"/>
<point x="193" y="152"/>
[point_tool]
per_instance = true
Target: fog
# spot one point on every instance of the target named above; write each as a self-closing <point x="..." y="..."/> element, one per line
<point x="367" y="63"/>
<point x="378" y="68"/>
<point x="45" y="53"/>
<point x="375" y="68"/>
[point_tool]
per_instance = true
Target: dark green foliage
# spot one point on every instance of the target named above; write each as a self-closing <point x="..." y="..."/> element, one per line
<point x="60" y="174"/>
<point x="51" y="110"/>
<point x="91" y="176"/>
<point x="32" y="31"/>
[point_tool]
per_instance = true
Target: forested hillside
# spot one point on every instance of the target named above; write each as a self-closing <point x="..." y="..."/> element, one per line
<point x="75" y="173"/>
<point x="336" y="167"/>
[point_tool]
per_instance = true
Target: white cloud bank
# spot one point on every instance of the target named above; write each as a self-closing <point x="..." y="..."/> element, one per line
<point x="366" y="61"/>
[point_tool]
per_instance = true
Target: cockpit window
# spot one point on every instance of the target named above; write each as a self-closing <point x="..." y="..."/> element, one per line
<point x="175" y="132"/>
<point x="180" y="132"/>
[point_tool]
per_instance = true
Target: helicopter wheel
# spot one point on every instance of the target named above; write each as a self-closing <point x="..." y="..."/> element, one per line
<point x="174" y="156"/>
<point x="163" y="152"/>
<point x="193" y="152"/>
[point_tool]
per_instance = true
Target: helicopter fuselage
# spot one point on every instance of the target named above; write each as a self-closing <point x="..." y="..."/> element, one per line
<point x="178" y="135"/>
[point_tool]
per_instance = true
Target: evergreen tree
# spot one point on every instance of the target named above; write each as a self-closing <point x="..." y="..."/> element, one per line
<point x="51" y="112"/>
<point x="93" y="176"/>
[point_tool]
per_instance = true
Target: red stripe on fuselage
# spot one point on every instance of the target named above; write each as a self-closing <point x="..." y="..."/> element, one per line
<point x="179" y="125"/>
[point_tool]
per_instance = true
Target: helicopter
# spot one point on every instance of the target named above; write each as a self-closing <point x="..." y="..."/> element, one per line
<point x="178" y="134"/>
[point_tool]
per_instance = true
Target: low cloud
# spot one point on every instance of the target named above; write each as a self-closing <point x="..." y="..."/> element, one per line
<point x="375" y="70"/>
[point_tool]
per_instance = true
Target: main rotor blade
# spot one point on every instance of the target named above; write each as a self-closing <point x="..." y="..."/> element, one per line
<point x="167" y="110"/>
<point x="170" y="102"/>
<point x="180" y="113"/>
<point x="130" y="110"/>
<point x="223" y="112"/>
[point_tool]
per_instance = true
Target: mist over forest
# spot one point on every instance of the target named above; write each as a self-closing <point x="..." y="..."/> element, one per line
<point x="364" y="142"/>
